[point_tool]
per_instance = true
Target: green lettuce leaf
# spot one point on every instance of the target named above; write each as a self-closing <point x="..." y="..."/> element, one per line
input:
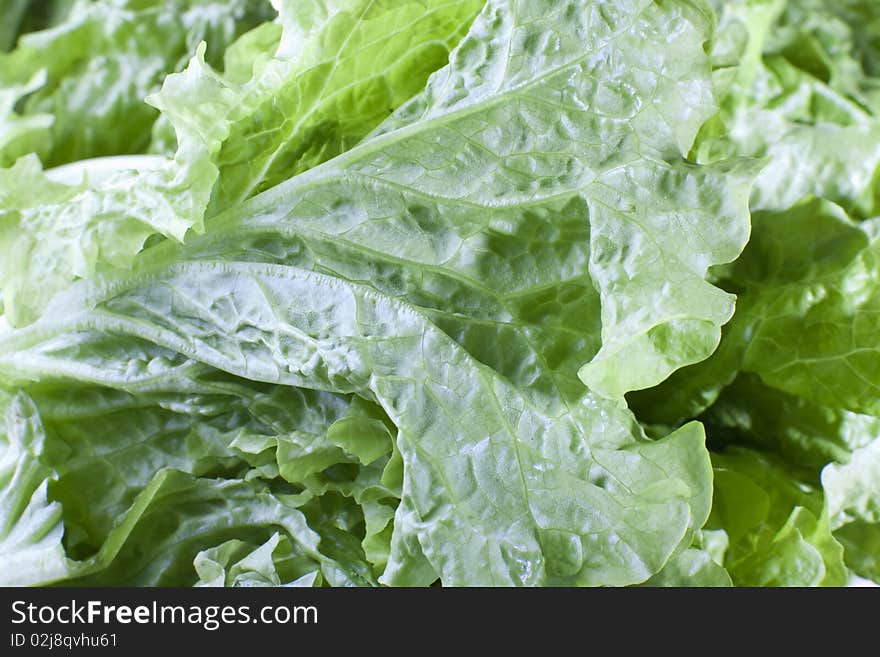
<point x="53" y="232"/>
<point x="102" y="59"/>
<point x="457" y="268"/>
<point x="31" y="526"/>
<point x="809" y="298"/>
<point x="692" y="567"/>
<point x="336" y="73"/>
<point x="853" y="493"/>
<point x="450" y="292"/>
<point x="801" y="71"/>
<point x="124" y="472"/>
<point x="663" y="485"/>
<point x="502" y="201"/>
<point x="805" y="433"/>
<point x="777" y="527"/>
<point x="793" y="68"/>
<point x="805" y="321"/>
<point x="20" y="134"/>
<point x="796" y="371"/>
<point x="105" y="216"/>
<point x="177" y="516"/>
<point x="238" y="563"/>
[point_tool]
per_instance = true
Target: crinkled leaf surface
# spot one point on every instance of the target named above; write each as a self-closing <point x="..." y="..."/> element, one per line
<point x="226" y="144"/>
<point x="337" y="70"/>
<point x="793" y="67"/>
<point x="796" y="371"/>
<point x="407" y="304"/>
<point x="530" y="212"/>
<point x="692" y="567"/>
<point x="533" y="528"/>
<point x="778" y="528"/>
<point x="806" y="317"/>
<point x="31" y="526"/>
<point x="100" y="61"/>
<point x="494" y="158"/>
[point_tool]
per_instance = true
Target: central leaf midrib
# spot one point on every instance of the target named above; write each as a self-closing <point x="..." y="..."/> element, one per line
<point x="377" y="144"/>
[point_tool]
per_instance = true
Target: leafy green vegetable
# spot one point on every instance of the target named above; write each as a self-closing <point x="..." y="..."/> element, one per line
<point x="777" y="529"/>
<point x="20" y="134"/>
<point x="31" y="528"/>
<point x="97" y="220"/>
<point x="796" y="371"/>
<point x="338" y="71"/>
<point x="99" y="62"/>
<point x="237" y="563"/>
<point x="853" y="491"/>
<point x="410" y="292"/>
<point x="692" y="567"/>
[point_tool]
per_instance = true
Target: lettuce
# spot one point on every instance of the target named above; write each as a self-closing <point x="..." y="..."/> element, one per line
<point x="399" y="293"/>
<point x="795" y="374"/>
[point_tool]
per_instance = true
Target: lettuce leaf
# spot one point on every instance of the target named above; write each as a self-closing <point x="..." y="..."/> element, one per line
<point x="385" y="353"/>
<point x="31" y="525"/>
<point x="854" y="507"/>
<point x="80" y="219"/>
<point x="796" y="371"/>
<point x="405" y="293"/>
<point x="99" y="61"/>
<point x="777" y="527"/>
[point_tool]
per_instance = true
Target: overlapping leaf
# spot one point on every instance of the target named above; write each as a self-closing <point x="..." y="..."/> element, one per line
<point x="525" y="215"/>
<point x="331" y="62"/>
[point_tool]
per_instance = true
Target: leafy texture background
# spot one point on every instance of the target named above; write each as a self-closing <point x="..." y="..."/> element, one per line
<point x="444" y="302"/>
